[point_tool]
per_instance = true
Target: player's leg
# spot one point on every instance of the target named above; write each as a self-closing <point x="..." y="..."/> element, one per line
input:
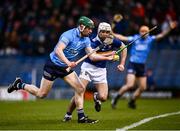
<point x="141" y="81"/>
<point x="129" y="84"/>
<point x="72" y="105"/>
<point x="46" y="82"/>
<point x="41" y="92"/>
<point x="101" y="95"/>
<point x="130" y="80"/>
<point x="99" y="78"/>
<point x="34" y="90"/>
<point x="141" y="87"/>
<point x="102" y="91"/>
<point x="73" y="80"/>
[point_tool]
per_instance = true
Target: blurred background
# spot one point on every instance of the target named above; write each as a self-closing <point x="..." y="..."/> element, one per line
<point x="29" y="30"/>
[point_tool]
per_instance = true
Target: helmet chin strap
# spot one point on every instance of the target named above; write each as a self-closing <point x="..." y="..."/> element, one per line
<point x="81" y="28"/>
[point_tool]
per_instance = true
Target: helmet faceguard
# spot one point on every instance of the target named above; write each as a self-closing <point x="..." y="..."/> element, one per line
<point x="104" y="26"/>
<point x="106" y="38"/>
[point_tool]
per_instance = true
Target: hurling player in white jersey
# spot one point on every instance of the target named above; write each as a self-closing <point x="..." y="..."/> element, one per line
<point x="95" y="71"/>
<point x="70" y="44"/>
<point x="136" y="68"/>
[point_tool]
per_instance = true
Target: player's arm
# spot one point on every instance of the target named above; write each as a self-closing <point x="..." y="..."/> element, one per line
<point x="97" y="57"/>
<point x="120" y="37"/>
<point x="172" y="25"/>
<point x="59" y="52"/>
<point x="123" y="55"/>
<point x="107" y="53"/>
<point x="123" y="58"/>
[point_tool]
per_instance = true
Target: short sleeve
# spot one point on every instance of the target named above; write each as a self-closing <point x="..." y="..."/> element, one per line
<point x="88" y="42"/>
<point x="130" y="38"/>
<point x="153" y="37"/>
<point x="65" y="38"/>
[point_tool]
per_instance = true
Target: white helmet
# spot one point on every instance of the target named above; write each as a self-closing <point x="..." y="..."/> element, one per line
<point x="104" y="26"/>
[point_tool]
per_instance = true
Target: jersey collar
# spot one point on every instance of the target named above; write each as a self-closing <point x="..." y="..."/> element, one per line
<point x="98" y="39"/>
<point x="78" y="32"/>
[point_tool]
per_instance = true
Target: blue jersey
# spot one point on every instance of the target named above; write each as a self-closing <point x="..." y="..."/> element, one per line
<point x="74" y="46"/>
<point x="140" y="48"/>
<point x="96" y="42"/>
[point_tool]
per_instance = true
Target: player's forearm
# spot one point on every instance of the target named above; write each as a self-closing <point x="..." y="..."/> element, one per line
<point x="123" y="60"/>
<point x="61" y="56"/>
<point x="120" y="37"/>
<point x="98" y="57"/>
<point x="163" y="34"/>
<point x="172" y="25"/>
<point x="107" y="53"/>
<point x="123" y="56"/>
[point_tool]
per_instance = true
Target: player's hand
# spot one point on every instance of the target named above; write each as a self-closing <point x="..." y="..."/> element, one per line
<point x="120" y="67"/>
<point x="173" y="24"/>
<point x="115" y="57"/>
<point x="112" y="53"/>
<point x="110" y="58"/>
<point x="72" y="64"/>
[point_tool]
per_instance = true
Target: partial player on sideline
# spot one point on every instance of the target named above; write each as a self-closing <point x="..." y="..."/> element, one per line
<point x="136" y="68"/>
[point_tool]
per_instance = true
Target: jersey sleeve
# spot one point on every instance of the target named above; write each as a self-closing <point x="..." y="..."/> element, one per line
<point x="130" y="38"/>
<point x="88" y="42"/>
<point x="153" y="38"/>
<point x="65" y="38"/>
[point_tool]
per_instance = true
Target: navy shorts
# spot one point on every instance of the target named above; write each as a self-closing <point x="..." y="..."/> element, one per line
<point x="53" y="71"/>
<point x="137" y="69"/>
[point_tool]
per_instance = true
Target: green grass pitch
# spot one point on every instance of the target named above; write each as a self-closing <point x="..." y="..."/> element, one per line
<point x="48" y="115"/>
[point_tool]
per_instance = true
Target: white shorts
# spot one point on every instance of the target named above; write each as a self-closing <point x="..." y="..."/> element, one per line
<point x="92" y="73"/>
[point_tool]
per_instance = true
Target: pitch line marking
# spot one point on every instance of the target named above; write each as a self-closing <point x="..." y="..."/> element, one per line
<point x="146" y="120"/>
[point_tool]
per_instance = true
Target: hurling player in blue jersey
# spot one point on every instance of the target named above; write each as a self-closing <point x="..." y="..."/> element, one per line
<point x="70" y="44"/>
<point x="96" y="71"/>
<point x="136" y="68"/>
